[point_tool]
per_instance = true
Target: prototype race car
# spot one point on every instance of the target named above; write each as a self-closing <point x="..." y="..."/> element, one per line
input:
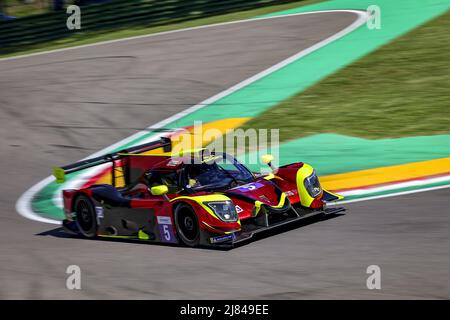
<point x="199" y="197"/>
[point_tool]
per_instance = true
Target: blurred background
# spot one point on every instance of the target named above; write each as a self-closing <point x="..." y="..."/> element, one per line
<point x="29" y="24"/>
<point x="22" y="8"/>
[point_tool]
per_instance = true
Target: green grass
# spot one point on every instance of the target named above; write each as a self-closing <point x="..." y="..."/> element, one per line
<point x="82" y="38"/>
<point x="402" y="89"/>
<point x="18" y="8"/>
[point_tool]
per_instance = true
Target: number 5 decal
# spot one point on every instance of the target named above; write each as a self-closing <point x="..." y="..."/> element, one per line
<point x="166" y="232"/>
<point x="165" y="229"/>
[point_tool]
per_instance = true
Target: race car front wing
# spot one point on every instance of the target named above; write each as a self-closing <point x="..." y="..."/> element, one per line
<point x="251" y="229"/>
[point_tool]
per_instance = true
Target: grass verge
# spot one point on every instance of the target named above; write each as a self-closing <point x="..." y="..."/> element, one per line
<point x="402" y="89"/>
<point x="21" y="8"/>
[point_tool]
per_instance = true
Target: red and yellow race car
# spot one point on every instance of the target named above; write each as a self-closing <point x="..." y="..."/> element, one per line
<point x="198" y="198"/>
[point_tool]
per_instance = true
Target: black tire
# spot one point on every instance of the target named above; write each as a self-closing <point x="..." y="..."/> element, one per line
<point x="86" y="218"/>
<point x="186" y="223"/>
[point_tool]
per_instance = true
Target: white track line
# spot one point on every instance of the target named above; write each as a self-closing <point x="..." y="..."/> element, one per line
<point x="395" y="194"/>
<point x="394" y="186"/>
<point x="23" y="205"/>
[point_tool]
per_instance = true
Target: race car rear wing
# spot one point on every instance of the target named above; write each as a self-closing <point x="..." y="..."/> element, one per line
<point x="60" y="172"/>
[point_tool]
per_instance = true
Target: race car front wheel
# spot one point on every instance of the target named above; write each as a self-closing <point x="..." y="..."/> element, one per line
<point x="85" y="216"/>
<point x="187" y="226"/>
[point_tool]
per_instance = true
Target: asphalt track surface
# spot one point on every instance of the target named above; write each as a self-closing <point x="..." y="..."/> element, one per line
<point x="59" y="107"/>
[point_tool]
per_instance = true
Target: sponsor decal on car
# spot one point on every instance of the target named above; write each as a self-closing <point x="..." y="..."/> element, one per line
<point x="290" y="193"/>
<point x="224" y="238"/>
<point x="250" y="187"/>
<point x="166" y="229"/>
<point x="99" y="214"/>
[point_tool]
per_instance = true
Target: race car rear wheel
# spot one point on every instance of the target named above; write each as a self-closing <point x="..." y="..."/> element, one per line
<point x="85" y="216"/>
<point x="187" y="226"/>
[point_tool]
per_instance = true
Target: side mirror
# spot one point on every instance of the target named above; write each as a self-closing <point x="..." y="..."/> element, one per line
<point x="159" y="190"/>
<point x="59" y="174"/>
<point x="267" y="159"/>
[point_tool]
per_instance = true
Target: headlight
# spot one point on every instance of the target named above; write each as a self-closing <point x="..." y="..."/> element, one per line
<point x="225" y="210"/>
<point x="312" y="185"/>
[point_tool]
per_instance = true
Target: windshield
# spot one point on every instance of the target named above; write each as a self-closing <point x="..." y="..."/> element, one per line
<point x="218" y="171"/>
